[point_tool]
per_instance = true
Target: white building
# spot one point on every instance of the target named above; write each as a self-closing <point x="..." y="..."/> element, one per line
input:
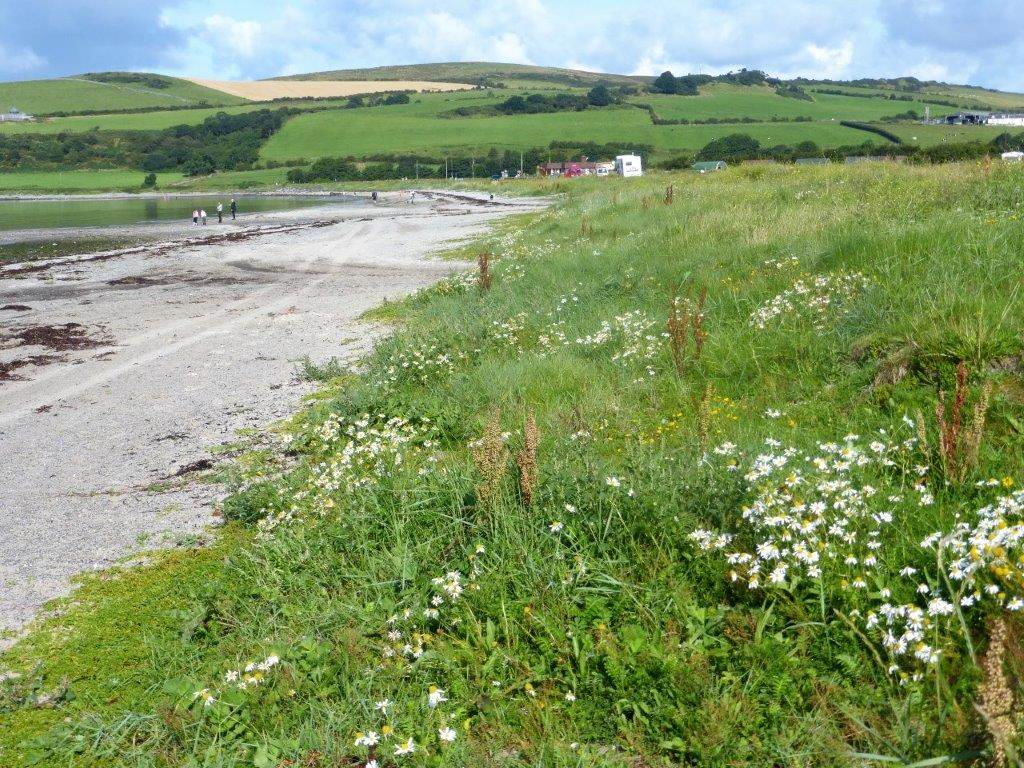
<point x="1015" y="120"/>
<point x="15" y="115"/>
<point x="629" y="165"/>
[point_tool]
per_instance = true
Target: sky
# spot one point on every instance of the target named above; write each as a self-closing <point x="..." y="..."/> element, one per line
<point x="979" y="42"/>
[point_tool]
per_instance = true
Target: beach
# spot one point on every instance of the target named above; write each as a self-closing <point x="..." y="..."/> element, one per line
<point x="125" y="373"/>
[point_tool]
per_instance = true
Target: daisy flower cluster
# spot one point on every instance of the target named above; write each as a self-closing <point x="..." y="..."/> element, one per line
<point x="407" y="634"/>
<point x="382" y="739"/>
<point x="820" y="518"/>
<point x="984" y="559"/>
<point x="357" y="453"/>
<point x="365" y="450"/>
<point x="810" y="298"/>
<point x="809" y="512"/>
<point x="418" y="363"/>
<point x="251" y="676"/>
<point x="509" y="333"/>
<point x="635" y="336"/>
<point x="779" y="265"/>
<point x="455" y="284"/>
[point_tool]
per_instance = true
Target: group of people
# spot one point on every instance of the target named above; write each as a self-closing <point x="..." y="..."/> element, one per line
<point x="199" y="214"/>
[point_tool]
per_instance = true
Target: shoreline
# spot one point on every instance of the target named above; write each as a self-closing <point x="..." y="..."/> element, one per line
<point x="154" y="361"/>
<point x="277" y="192"/>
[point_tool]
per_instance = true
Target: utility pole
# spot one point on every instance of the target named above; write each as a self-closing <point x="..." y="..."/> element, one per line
<point x="417" y="170"/>
<point x="520" y="162"/>
<point x="472" y="167"/>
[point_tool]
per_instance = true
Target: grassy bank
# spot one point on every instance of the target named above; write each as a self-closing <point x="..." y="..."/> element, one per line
<point x="659" y="489"/>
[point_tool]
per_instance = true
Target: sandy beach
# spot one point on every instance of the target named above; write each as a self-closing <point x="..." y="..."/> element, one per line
<point x="119" y="371"/>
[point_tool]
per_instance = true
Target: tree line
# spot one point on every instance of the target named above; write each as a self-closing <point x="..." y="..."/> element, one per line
<point x="738" y="147"/>
<point x="539" y="103"/>
<point x="222" y="142"/>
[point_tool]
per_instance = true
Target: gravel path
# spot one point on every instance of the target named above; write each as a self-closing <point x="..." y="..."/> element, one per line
<point x="116" y="372"/>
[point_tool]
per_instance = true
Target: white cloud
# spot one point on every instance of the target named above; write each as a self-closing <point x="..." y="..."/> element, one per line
<point x="241" y="37"/>
<point x="831" y="62"/>
<point x="940" y="39"/>
<point x="19" y="60"/>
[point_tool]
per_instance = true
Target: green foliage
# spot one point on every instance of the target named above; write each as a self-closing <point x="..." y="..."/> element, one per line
<point x="792" y="91"/>
<point x="599" y="96"/>
<point x="731" y="147"/>
<point x="220" y="142"/>
<point x="873" y="129"/>
<point x="145" y="79"/>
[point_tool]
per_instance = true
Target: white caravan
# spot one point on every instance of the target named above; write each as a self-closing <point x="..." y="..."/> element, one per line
<point x="628" y="165"/>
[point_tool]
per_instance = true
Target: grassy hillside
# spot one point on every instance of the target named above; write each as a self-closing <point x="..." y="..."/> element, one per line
<point x="931" y="135"/>
<point x="965" y="97"/>
<point x="416" y="127"/>
<point x="472" y="72"/>
<point x="721" y="100"/>
<point x="95" y="180"/>
<point x="74" y="94"/>
<point x="136" y="121"/>
<point x="662" y="495"/>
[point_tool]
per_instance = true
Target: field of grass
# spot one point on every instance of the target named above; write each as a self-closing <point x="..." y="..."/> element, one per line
<point x="656" y="496"/>
<point x="968" y="97"/>
<point x="762" y="103"/>
<point x="931" y="135"/>
<point x="979" y="96"/>
<point x="135" y="121"/>
<point x="413" y="129"/>
<point x="53" y="182"/>
<point x="424" y="104"/>
<point x="73" y="94"/>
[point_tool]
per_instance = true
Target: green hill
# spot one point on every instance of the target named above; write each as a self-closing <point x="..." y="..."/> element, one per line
<point x="474" y="72"/>
<point x="109" y="92"/>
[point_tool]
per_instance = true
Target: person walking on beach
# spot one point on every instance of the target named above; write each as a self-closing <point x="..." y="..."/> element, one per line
<point x="220" y="213"/>
<point x="234" y="208"/>
<point x="202" y="215"/>
<point x="195" y="217"/>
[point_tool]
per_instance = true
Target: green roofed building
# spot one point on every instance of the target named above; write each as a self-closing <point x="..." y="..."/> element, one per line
<point x="709" y="165"/>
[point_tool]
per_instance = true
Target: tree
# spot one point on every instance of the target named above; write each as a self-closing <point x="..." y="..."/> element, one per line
<point x="735" y="146"/>
<point x="688" y="85"/>
<point x="599" y="96"/>
<point x="200" y="165"/>
<point x="397" y="98"/>
<point x="514" y="104"/>
<point x="665" y="83"/>
<point x="150" y="181"/>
